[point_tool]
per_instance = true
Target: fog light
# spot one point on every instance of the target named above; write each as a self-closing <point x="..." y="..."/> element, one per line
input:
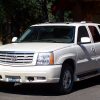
<point x="41" y="78"/>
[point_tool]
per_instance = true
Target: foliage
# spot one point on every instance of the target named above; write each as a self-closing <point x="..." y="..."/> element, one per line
<point x="2" y="14"/>
<point x="23" y="10"/>
<point x="27" y="12"/>
<point x="17" y="15"/>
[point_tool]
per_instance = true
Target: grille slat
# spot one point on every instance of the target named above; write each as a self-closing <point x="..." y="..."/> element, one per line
<point x="16" y="57"/>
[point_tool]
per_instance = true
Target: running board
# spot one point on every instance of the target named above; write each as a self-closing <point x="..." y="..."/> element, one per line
<point x="87" y="75"/>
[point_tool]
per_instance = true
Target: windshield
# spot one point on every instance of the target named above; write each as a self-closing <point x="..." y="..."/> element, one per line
<point x="61" y="34"/>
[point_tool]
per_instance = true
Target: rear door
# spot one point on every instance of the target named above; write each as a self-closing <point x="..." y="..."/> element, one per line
<point x="96" y="38"/>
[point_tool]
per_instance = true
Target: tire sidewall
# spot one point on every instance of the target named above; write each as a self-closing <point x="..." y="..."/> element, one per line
<point x="61" y="87"/>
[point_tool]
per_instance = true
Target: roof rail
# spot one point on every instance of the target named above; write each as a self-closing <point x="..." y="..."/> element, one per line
<point x="83" y="22"/>
<point x="68" y="22"/>
<point x="47" y="22"/>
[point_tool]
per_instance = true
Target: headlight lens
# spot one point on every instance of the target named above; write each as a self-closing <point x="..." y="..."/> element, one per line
<point x="45" y="59"/>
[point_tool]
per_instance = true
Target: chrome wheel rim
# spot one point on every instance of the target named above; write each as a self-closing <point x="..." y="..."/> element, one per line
<point x="67" y="79"/>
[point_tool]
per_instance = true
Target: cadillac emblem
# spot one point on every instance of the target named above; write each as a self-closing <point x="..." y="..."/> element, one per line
<point x="14" y="58"/>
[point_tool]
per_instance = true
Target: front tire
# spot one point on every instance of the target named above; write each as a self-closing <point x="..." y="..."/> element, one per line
<point x="66" y="80"/>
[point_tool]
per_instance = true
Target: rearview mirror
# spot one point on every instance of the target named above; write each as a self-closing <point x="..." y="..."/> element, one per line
<point x="85" y="40"/>
<point x="14" y="39"/>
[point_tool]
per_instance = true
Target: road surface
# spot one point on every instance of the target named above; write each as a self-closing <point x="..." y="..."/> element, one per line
<point x="85" y="90"/>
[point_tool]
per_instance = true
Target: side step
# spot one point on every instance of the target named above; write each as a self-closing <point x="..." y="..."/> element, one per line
<point x="87" y="75"/>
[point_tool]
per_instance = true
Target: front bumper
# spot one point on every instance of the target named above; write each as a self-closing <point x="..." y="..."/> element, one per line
<point x="30" y="74"/>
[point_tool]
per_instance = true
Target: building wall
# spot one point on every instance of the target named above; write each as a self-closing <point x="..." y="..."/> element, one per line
<point x="87" y="10"/>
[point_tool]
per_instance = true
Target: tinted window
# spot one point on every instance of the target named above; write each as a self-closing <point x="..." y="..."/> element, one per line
<point x="63" y="34"/>
<point x="99" y="26"/>
<point x="82" y="32"/>
<point x="95" y="33"/>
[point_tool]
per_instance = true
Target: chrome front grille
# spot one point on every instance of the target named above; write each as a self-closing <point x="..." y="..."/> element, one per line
<point x="9" y="57"/>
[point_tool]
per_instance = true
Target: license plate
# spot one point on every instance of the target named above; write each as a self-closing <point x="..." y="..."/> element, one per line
<point x="13" y="78"/>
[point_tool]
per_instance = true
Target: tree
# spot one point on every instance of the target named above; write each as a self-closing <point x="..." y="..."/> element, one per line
<point x="2" y="15"/>
<point x="61" y="10"/>
<point x="44" y="9"/>
<point x="17" y="15"/>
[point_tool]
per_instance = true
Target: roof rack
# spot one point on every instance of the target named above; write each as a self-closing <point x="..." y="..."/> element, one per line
<point x="83" y="22"/>
<point x="68" y="22"/>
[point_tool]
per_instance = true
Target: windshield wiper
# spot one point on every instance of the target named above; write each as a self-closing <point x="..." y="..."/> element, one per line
<point x="47" y="40"/>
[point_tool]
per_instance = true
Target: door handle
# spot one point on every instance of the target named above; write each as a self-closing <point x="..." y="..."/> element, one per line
<point x="92" y="49"/>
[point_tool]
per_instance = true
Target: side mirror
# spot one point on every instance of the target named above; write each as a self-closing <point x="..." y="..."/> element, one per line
<point x="85" y="40"/>
<point x="14" y="39"/>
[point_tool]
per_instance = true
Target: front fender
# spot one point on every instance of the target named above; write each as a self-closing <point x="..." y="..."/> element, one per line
<point x="62" y="58"/>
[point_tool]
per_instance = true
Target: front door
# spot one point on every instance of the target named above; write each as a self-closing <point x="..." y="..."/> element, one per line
<point x="86" y="61"/>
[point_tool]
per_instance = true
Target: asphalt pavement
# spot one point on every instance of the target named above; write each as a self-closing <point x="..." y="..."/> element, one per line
<point x="84" y="90"/>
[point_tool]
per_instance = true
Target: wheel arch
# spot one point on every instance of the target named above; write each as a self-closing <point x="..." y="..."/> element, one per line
<point x="71" y="62"/>
<point x="65" y="69"/>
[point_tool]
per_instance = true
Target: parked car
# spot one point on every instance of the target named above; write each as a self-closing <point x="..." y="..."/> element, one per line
<point x="60" y="53"/>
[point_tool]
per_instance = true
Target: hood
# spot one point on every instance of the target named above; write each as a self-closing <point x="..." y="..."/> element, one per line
<point x="34" y="47"/>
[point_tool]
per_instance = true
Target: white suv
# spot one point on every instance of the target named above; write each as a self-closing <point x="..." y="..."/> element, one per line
<point x="52" y="53"/>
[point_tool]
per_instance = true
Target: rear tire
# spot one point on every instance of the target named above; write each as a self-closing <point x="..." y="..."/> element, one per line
<point x="65" y="84"/>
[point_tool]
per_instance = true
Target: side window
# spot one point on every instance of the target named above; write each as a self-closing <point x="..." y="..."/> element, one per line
<point x="99" y="26"/>
<point x="82" y="32"/>
<point x="95" y="33"/>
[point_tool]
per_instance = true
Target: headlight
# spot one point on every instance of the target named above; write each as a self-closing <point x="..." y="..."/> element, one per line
<point x="45" y="59"/>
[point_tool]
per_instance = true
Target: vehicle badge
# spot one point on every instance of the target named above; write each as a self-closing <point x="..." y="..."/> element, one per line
<point x="14" y="58"/>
